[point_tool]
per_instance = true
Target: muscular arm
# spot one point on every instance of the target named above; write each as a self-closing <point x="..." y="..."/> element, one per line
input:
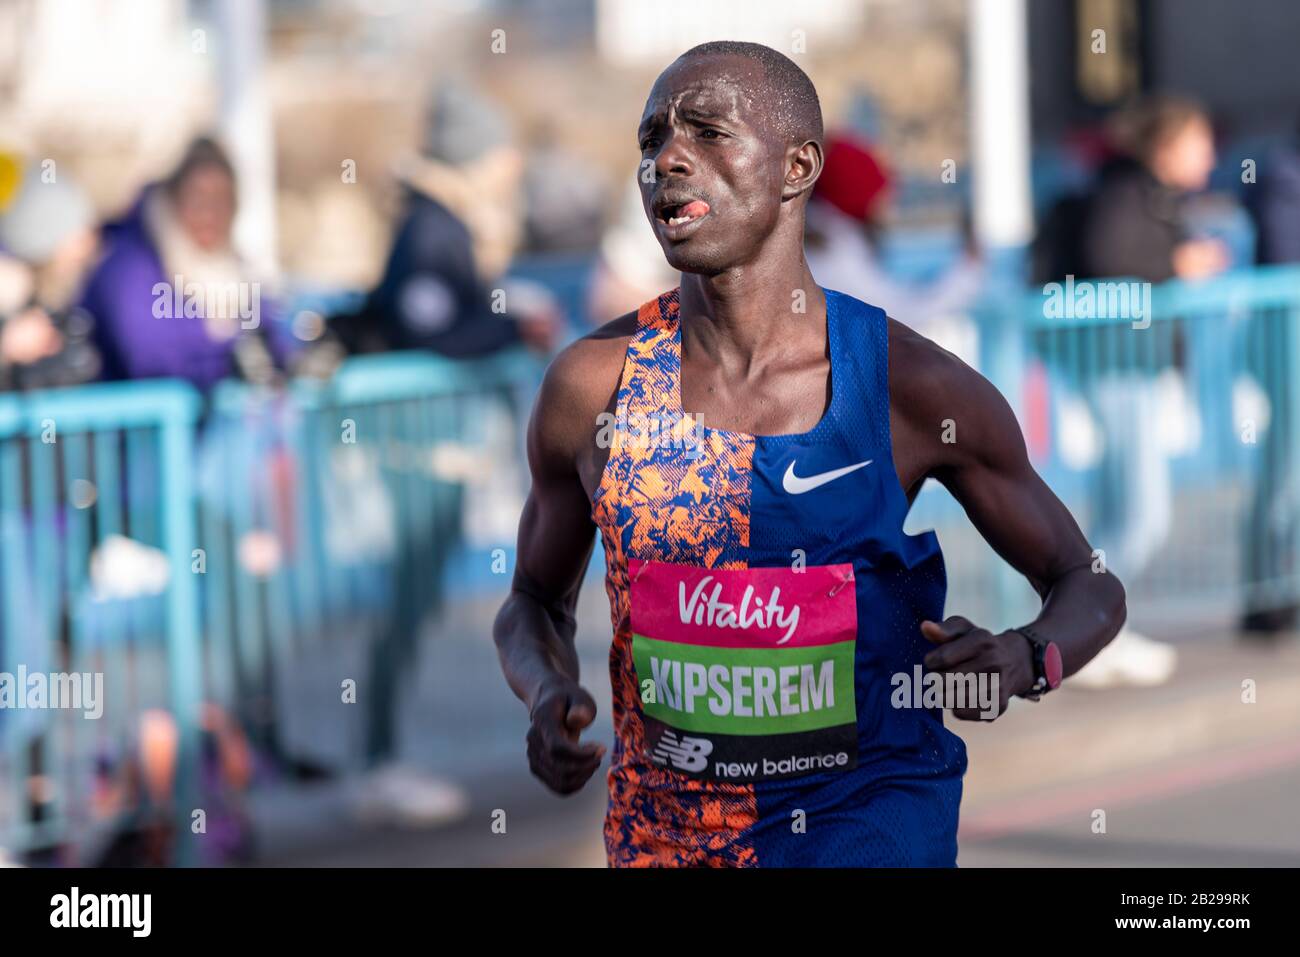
<point x="987" y="470"/>
<point x="534" y="630"/>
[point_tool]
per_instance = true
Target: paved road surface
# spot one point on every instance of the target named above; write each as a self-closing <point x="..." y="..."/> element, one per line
<point x="1186" y="774"/>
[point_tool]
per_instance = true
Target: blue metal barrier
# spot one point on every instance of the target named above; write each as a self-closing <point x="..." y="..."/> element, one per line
<point x="298" y="529"/>
<point x="1172" y="437"/>
<point x="80" y="470"/>
<point x="354" y="492"/>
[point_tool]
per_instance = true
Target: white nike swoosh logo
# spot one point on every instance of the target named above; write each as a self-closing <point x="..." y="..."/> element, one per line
<point x="797" y="485"/>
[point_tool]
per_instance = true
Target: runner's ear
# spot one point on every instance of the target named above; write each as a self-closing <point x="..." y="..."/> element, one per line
<point x="803" y="166"/>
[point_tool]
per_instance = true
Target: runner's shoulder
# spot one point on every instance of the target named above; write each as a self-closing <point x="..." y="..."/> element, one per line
<point x="921" y="372"/>
<point x="928" y="385"/>
<point x="586" y="372"/>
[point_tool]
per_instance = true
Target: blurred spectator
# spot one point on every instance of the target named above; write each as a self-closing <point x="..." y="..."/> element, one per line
<point x="134" y="789"/>
<point x="1273" y="532"/>
<point x="47" y="241"/>
<point x="1135" y="222"/>
<point x="564" y="195"/>
<point x="462" y="224"/>
<point x="172" y="297"/>
<point x="630" y="266"/>
<point x="1134" y="227"/>
<point x="845" y="228"/>
<point x="442" y="290"/>
<point x="1274" y="205"/>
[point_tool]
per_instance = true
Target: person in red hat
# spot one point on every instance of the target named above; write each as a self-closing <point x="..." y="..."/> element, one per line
<point x="845" y="225"/>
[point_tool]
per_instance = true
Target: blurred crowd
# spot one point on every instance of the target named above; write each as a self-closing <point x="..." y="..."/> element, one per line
<point x="80" y="299"/>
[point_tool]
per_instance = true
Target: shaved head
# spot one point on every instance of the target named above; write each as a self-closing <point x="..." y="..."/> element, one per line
<point x="732" y="135"/>
<point x="790" y="99"/>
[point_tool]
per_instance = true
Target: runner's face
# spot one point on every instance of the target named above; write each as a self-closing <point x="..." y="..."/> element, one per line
<point x="711" y="168"/>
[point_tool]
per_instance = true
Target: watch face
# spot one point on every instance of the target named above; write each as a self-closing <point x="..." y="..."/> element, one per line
<point x="1052" y="667"/>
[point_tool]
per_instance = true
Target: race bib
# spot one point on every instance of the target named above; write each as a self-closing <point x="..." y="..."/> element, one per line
<point x="746" y="674"/>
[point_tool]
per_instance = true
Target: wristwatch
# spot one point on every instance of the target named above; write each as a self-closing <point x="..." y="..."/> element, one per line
<point x="1047" y="664"/>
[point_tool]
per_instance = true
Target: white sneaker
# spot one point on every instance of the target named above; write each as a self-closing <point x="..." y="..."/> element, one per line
<point x="1130" y="659"/>
<point x="408" y="797"/>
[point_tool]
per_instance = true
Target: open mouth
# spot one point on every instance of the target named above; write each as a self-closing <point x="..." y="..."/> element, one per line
<point x="679" y="214"/>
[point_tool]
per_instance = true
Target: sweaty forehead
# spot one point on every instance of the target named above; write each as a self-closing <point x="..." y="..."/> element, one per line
<point x="727" y="88"/>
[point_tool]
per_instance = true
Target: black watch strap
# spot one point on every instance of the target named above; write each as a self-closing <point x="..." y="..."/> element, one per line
<point x="1039" y="645"/>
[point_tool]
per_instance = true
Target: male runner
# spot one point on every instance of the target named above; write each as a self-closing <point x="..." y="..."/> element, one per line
<point x="763" y="594"/>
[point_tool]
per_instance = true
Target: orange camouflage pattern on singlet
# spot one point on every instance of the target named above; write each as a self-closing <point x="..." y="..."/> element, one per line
<point x="657" y="501"/>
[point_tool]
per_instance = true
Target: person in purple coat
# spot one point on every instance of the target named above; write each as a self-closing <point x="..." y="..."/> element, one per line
<point x="171" y="296"/>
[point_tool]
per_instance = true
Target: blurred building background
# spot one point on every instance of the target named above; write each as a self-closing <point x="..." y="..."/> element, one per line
<point x="284" y="555"/>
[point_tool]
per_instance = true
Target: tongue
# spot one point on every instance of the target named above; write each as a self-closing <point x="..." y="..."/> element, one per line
<point x="694" y="209"/>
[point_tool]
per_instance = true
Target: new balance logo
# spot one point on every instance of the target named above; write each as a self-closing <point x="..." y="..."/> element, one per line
<point x="684" y="753"/>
